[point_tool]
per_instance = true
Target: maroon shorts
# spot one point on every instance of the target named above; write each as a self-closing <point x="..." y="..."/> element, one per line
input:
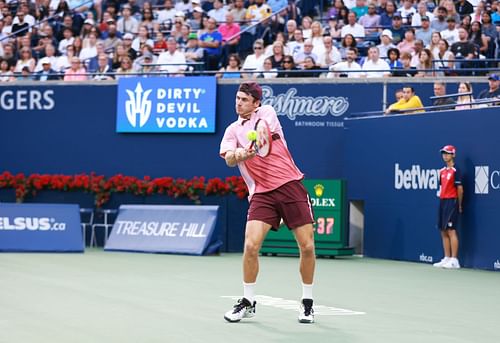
<point x="290" y="202"/>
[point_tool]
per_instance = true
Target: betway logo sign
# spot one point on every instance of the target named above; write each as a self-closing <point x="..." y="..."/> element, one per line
<point x="415" y="178"/>
<point x="485" y="178"/>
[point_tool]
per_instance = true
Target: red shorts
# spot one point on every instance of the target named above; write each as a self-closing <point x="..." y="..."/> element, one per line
<point x="290" y="202"/>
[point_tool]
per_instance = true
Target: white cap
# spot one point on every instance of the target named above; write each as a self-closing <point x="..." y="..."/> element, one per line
<point x="180" y="14"/>
<point x="45" y="60"/>
<point x="128" y="36"/>
<point x="387" y="33"/>
<point x="89" y="21"/>
<point x="198" y="9"/>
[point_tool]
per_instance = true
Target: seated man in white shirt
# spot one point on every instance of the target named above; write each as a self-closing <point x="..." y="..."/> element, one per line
<point x="172" y="60"/>
<point x="355" y="29"/>
<point x="349" y="68"/>
<point x="374" y="66"/>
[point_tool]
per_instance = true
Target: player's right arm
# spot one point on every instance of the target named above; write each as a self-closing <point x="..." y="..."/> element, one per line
<point x="230" y="151"/>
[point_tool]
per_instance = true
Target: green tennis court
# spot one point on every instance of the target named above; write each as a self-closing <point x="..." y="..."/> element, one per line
<point x="125" y="297"/>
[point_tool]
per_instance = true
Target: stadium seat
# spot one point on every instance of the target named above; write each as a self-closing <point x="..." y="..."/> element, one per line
<point x="87" y="219"/>
<point x="108" y="217"/>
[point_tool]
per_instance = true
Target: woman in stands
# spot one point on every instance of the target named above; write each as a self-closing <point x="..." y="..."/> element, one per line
<point x="444" y="59"/>
<point x="233" y="68"/>
<point x="77" y="46"/>
<point x="268" y="71"/>
<point x="119" y="55"/>
<point x="142" y="39"/>
<point x="464" y="87"/>
<point x="393" y="55"/>
<point x="347" y="42"/>
<point x="317" y="38"/>
<point x="426" y="64"/>
<point x="147" y="18"/>
<point x="25" y="60"/>
<point x="478" y="38"/>
<point x="278" y="54"/>
<point x="306" y="27"/>
<point x="434" y="44"/>
<point x="288" y="67"/>
<point x="125" y="68"/>
<point x="280" y="37"/>
<point x="6" y="74"/>
<point x="408" y="43"/>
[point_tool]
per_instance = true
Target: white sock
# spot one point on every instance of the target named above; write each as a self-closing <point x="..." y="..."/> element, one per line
<point x="249" y="291"/>
<point x="307" y="291"/>
<point x="447" y="258"/>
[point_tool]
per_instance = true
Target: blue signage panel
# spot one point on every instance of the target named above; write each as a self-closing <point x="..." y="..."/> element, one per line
<point x="392" y="164"/>
<point x="40" y="227"/>
<point x="165" y="229"/>
<point x="166" y="104"/>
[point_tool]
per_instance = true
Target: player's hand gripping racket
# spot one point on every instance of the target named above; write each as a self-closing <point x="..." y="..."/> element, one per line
<point x="261" y="138"/>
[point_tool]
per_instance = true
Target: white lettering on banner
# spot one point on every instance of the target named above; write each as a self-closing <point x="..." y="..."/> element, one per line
<point x="424" y="258"/>
<point x="160" y="229"/>
<point x="177" y="108"/>
<point x="23" y="100"/>
<point x="179" y="93"/>
<point x="324" y="202"/>
<point x="192" y="123"/>
<point x="415" y="178"/>
<point x="291" y="106"/>
<point x="31" y="223"/>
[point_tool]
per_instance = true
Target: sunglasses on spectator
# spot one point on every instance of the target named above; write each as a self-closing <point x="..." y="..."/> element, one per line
<point x="287" y="61"/>
<point x="257" y="47"/>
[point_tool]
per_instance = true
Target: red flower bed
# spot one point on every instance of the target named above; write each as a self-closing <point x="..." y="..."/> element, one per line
<point x="103" y="187"/>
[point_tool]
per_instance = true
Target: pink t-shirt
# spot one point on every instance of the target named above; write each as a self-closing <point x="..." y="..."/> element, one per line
<point x="262" y="174"/>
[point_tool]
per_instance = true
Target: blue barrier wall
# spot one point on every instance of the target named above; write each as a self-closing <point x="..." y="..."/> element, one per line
<point x="389" y="163"/>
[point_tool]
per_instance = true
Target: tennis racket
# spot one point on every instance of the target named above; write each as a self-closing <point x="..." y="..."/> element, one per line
<point x="263" y="141"/>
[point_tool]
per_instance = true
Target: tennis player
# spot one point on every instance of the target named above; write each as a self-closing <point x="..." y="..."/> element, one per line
<point x="276" y="192"/>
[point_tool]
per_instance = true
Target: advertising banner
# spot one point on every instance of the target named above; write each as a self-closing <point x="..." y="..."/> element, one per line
<point x="166" y="104"/>
<point x="165" y="229"/>
<point x="40" y="228"/>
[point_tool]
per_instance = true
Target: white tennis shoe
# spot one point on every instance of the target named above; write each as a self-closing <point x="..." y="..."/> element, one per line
<point x="452" y="264"/>
<point x="441" y="263"/>
<point x="242" y="309"/>
<point x="306" y="312"/>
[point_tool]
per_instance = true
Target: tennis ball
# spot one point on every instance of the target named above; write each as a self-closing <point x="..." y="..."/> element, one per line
<point x="252" y="135"/>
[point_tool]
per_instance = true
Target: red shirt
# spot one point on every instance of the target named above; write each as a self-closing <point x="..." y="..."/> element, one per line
<point x="450" y="179"/>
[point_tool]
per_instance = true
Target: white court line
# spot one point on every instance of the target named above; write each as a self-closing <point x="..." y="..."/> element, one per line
<point x="294" y="305"/>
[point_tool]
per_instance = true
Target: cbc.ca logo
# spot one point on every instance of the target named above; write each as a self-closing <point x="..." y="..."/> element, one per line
<point x="486" y="179"/>
<point x="31" y="224"/>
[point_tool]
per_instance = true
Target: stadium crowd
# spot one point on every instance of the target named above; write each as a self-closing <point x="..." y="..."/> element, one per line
<point x="107" y="39"/>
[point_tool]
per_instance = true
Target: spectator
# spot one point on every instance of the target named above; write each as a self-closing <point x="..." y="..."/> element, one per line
<point x="8" y="55"/>
<point x="218" y="12"/>
<point x="393" y="60"/>
<point x="112" y="38"/>
<point x="310" y="68"/>
<point x="331" y="55"/>
<point x="349" y="68"/>
<point x="46" y="73"/>
<point x="451" y="32"/>
<point x="463" y="7"/>
<point x="255" y="61"/>
<point x="478" y="38"/>
<point x="6" y="75"/>
<point x="160" y="43"/>
<point x="397" y="29"/>
<point x="268" y="71"/>
<point x="434" y="44"/>
<point x="90" y="51"/>
<point x="408" y="43"/>
<point x="147" y="18"/>
<point x="256" y="12"/>
<point x="166" y="14"/>
<point x="386" y="17"/>
<point x="280" y="37"/>
<point x="196" y="21"/>
<point x="353" y="28"/>
<point x="306" y="27"/>
<point x="317" y="38"/>
<point x="50" y="53"/>
<point x="493" y="90"/>
<point x="93" y="63"/>
<point x="450" y="7"/>
<point x="408" y="70"/>
<point x="77" y="46"/>
<point x="127" y="23"/>
<point x="370" y="21"/>
<point x="211" y="41"/>
<point x="125" y="69"/>
<point x="426" y="64"/>
<point x="424" y="33"/>
<point x="347" y="42"/>
<point x="183" y="6"/>
<point x="142" y="39"/>
<point x="230" y="38"/>
<point x="288" y="68"/>
<point x="333" y="29"/>
<point x="407" y="11"/>
<point x="25" y="60"/>
<point x="127" y="45"/>
<point x="360" y="9"/>
<point x="464" y="101"/>
<point x="374" y="66"/>
<point x="419" y="47"/>
<point x="232" y="69"/>
<point x="239" y="12"/>
<point x="417" y="18"/>
<point x="103" y="70"/>
<point x="25" y="74"/>
<point x="444" y="59"/>
<point x="64" y="61"/>
<point x="278" y="54"/>
<point x="301" y="56"/>
<point x="193" y="52"/>
<point x="147" y="66"/>
<point x="297" y="44"/>
<point x="76" y="72"/>
<point x="172" y="61"/>
<point x="119" y="54"/>
<point x="20" y="27"/>
<point x="410" y="103"/>
<point x="67" y="40"/>
<point x="385" y="42"/>
<point x="463" y="50"/>
<point x="176" y="30"/>
<point x="439" y="22"/>
<point x="440" y="91"/>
